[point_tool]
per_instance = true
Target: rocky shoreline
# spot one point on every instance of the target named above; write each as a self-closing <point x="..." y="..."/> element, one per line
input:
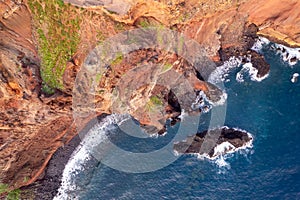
<point x="36" y="120"/>
<point x="47" y="187"/>
<point x="212" y="143"/>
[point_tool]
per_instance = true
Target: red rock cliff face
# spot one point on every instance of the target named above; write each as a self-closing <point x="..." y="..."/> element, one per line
<point x="277" y="20"/>
<point x="33" y="126"/>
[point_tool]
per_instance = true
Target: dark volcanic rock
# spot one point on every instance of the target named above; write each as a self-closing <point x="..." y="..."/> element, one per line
<point x="246" y="41"/>
<point x="47" y="187"/>
<point x="258" y="62"/>
<point x="206" y="141"/>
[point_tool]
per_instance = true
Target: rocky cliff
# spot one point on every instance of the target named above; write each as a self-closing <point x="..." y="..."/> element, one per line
<point x="43" y="45"/>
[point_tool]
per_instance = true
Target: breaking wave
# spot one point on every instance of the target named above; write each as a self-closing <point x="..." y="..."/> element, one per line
<point x="259" y="44"/>
<point x="83" y="154"/>
<point x="221" y="73"/>
<point x="248" y="69"/>
<point x="225" y="150"/>
<point x="287" y="54"/>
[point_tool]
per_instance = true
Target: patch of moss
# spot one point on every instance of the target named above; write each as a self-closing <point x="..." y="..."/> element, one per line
<point x="11" y="195"/>
<point x="57" y="26"/>
<point x="118" y="59"/>
<point x="180" y="45"/>
<point x="3" y="188"/>
<point x="100" y="37"/>
<point x="98" y="77"/>
<point x="47" y="90"/>
<point x="144" y="23"/>
<point x="119" y="26"/>
<point x="153" y="104"/>
<point x="166" y="67"/>
<point x="156" y="100"/>
<point x="159" y="39"/>
<point x="26" y="178"/>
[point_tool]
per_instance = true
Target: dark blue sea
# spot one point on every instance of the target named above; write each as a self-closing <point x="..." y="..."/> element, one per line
<point x="269" y="110"/>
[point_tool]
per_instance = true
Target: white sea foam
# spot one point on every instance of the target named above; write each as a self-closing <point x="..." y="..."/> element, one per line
<point x="248" y="68"/>
<point x="259" y="44"/>
<point x="222" y="150"/>
<point x="286" y="53"/>
<point x="202" y="102"/>
<point x="295" y="78"/>
<point x="176" y="153"/>
<point x="182" y="115"/>
<point x="156" y="135"/>
<point x="289" y="55"/>
<point x="95" y="136"/>
<point x="221" y="163"/>
<point x="79" y="156"/>
<point x="222" y="100"/>
<point x="221" y="73"/>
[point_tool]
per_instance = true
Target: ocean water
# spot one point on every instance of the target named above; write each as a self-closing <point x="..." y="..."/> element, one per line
<point x="269" y="110"/>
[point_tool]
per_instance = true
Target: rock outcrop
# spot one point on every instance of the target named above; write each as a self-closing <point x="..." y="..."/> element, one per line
<point x="33" y="124"/>
<point x="277" y="20"/>
<point x="215" y="142"/>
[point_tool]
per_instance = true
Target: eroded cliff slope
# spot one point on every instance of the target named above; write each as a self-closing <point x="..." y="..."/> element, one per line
<point x="39" y="61"/>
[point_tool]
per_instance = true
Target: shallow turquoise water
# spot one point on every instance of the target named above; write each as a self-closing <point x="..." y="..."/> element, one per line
<point x="269" y="110"/>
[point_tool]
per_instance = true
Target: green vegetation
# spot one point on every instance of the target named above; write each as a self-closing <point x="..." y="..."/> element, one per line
<point x="153" y="103"/>
<point x="144" y="23"/>
<point x="156" y="101"/>
<point x="159" y="38"/>
<point x="57" y="25"/>
<point x="180" y="45"/>
<point x="3" y="188"/>
<point x="100" y="37"/>
<point x="14" y="195"/>
<point x="47" y="89"/>
<point x="166" y="67"/>
<point x="98" y="78"/>
<point x="26" y="178"/>
<point x="185" y="17"/>
<point x="118" y="59"/>
<point x="11" y="195"/>
<point x="119" y="26"/>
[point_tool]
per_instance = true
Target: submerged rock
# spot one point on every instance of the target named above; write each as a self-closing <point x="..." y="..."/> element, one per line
<point x="215" y="142"/>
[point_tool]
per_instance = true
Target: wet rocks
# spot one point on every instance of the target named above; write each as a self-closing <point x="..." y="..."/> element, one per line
<point x="294" y="78"/>
<point x="259" y="62"/>
<point x="246" y="41"/>
<point x="33" y="126"/>
<point x="214" y="142"/>
<point x="243" y="50"/>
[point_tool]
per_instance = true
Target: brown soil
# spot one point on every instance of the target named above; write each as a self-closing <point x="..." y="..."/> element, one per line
<point x="33" y="125"/>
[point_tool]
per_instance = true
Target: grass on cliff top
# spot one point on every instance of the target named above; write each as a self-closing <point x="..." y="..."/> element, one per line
<point x="57" y="26"/>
